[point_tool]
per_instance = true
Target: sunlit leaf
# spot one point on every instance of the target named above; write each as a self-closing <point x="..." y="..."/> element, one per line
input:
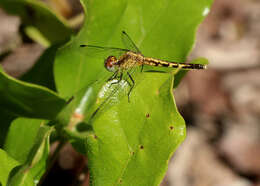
<point x="127" y="142"/>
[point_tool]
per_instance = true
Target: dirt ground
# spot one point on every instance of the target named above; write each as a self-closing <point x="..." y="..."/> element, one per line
<point x="221" y="105"/>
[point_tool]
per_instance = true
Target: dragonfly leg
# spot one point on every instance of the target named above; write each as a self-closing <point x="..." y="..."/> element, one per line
<point x="142" y="67"/>
<point x="69" y="100"/>
<point x="131" y="86"/>
<point x="113" y="76"/>
<point x="118" y="78"/>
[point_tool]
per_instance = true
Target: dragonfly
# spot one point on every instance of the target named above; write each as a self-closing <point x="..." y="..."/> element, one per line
<point x="132" y="57"/>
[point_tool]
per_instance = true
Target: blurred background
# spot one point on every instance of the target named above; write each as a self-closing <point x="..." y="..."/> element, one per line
<point x="221" y="105"/>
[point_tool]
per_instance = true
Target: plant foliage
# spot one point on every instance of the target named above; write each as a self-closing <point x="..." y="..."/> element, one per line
<point x="126" y="142"/>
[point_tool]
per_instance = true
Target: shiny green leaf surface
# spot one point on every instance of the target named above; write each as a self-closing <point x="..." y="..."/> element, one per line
<point x="19" y="98"/>
<point x="133" y="141"/>
<point x="130" y="142"/>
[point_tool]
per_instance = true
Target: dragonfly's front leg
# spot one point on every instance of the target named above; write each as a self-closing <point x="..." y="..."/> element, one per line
<point x="116" y="77"/>
<point x="142" y="67"/>
<point x="131" y="86"/>
<point x="113" y="76"/>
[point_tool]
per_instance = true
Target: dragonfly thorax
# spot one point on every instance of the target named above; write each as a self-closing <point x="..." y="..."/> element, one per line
<point x="110" y="63"/>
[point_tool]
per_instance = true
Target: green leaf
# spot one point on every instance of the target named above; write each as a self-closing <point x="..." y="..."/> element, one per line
<point x="36" y="163"/>
<point x="128" y="142"/>
<point x="21" y="137"/>
<point x="24" y="99"/>
<point x="41" y="23"/>
<point x="7" y="164"/>
<point x="132" y="141"/>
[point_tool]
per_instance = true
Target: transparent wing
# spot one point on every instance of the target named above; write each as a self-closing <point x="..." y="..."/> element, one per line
<point x="98" y="97"/>
<point x="114" y="91"/>
<point x="102" y="52"/>
<point x="129" y="44"/>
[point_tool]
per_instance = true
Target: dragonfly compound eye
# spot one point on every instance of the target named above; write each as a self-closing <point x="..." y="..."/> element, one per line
<point x="110" y="63"/>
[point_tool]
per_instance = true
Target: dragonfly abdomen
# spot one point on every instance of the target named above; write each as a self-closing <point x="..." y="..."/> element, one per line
<point x="161" y="63"/>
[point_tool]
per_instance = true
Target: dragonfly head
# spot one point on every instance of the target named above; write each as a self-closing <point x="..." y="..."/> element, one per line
<point x="110" y="63"/>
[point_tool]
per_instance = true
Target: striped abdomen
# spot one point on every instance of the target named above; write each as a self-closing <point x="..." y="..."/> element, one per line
<point x="161" y="63"/>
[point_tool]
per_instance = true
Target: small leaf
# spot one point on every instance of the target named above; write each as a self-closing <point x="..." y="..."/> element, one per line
<point x="21" y="137"/>
<point x="36" y="163"/>
<point x="7" y="164"/>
